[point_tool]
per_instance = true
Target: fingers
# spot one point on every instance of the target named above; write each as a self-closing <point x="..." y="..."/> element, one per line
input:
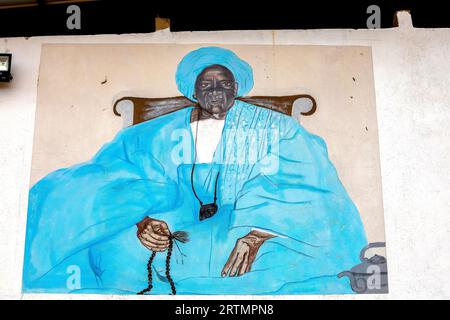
<point x="251" y="259"/>
<point x="151" y="237"/>
<point x="237" y="264"/>
<point x="249" y="267"/>
<point x="229" y="262"/>
<point x="160" y="228"/>
<point x="245" y="265"/>
<point x="153" y="242"/>
<point x="152" y="246"/>
<point x="154" y="236"/>
<point x="165" y="229"/>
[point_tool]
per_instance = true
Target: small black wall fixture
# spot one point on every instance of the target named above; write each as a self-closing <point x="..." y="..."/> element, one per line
<point x="5" y="67"/>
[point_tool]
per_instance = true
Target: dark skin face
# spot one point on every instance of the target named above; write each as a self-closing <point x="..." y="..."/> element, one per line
<point x="215" y="91"/>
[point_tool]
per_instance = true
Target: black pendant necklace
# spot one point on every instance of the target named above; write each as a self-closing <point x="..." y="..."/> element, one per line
<point x="206" y="210"/>
<point x="210" y="209"/>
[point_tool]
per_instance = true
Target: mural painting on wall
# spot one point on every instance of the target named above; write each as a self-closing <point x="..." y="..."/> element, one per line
<point x="212" y="192"/>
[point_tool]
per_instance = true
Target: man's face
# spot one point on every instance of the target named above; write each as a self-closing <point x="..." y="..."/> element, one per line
<point x="215" y="89"/>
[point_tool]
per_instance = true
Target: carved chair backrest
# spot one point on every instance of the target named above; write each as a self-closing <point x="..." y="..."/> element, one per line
<point x="134" y="110"/>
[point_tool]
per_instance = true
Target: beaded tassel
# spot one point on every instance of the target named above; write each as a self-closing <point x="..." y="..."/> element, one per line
<point x="149" y="276"/>
<point x="177" y="236"/>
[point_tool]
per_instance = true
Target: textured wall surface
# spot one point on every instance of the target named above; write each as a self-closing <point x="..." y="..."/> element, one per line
<point x="411" y="68"/>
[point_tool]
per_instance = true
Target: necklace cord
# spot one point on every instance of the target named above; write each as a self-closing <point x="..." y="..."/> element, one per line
<point x="193" y="168"/>
<point x="215" y="188"/>
<point x="195" y="160"/>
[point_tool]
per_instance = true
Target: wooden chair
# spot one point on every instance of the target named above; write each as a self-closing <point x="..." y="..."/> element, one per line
<point x="134" y="110"/>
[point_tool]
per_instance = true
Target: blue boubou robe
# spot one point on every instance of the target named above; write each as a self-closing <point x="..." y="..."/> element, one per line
<point x="274" y="176"/>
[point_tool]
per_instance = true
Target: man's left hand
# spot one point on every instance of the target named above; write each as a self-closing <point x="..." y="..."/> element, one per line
<point x="244" y="253"/>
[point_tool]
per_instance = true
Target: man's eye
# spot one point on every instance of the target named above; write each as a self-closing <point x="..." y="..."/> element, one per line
<point x="205" y="85"/>
<point x="226" y="84"/>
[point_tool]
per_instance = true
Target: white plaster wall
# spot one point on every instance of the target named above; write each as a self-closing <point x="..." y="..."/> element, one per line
<point x="411" y="69"/>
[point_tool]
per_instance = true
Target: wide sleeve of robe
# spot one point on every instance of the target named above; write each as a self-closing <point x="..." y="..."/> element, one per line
<point x="74" y="208"/>
<point x="319" y="230"/>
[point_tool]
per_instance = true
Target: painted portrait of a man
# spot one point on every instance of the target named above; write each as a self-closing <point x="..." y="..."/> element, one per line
<point x="220" y="197"/>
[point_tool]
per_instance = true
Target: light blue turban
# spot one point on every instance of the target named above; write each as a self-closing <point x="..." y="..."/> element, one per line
<point x="196" y="61"/>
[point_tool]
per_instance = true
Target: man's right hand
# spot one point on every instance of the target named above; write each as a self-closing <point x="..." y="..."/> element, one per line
<point x="153" y="234"/>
